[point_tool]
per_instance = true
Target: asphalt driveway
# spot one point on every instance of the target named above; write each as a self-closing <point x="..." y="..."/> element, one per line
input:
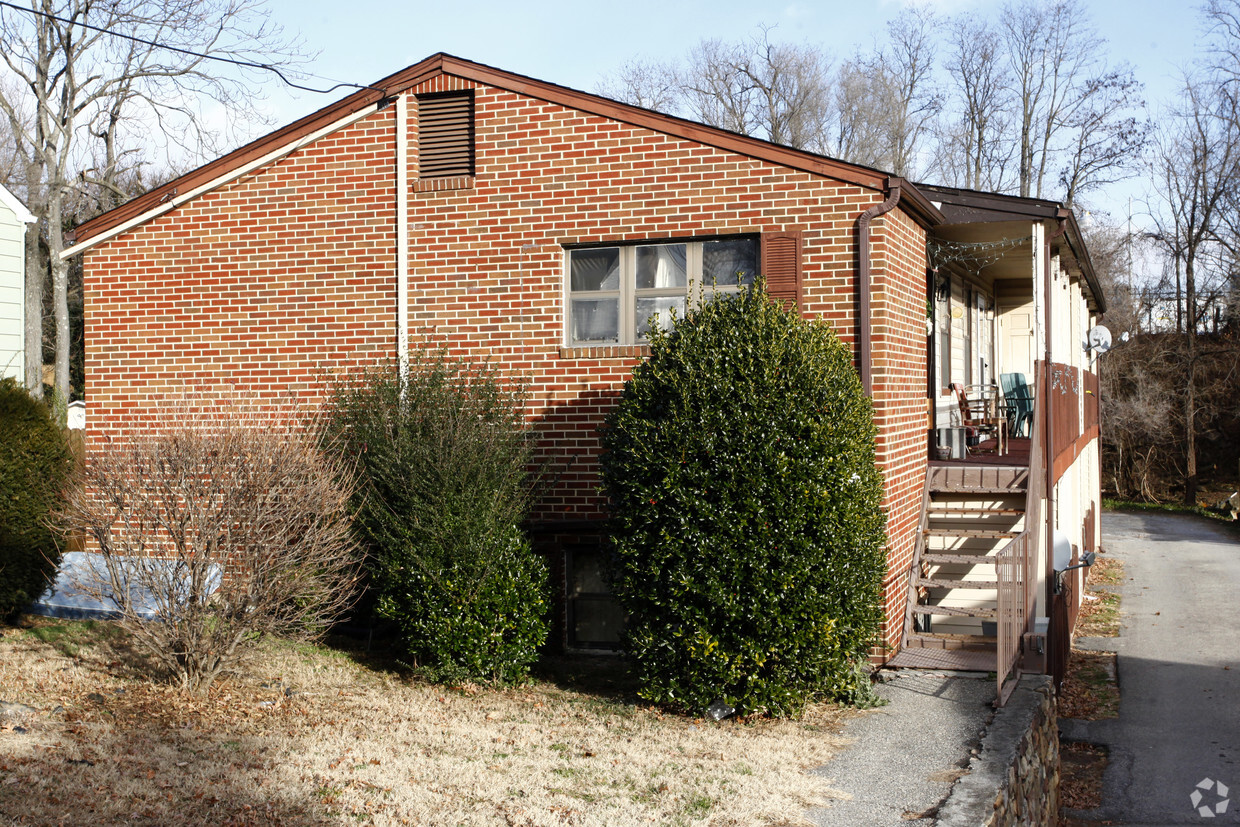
<point x="1175" y="748"/>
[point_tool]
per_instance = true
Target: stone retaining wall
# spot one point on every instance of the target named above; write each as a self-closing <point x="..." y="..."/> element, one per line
<point x="1014" y="780"/>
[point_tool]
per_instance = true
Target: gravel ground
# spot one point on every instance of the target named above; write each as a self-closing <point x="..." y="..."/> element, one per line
<point x="905" y="756"/>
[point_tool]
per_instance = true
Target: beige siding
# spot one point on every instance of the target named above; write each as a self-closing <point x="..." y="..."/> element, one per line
<point x="12" y="232"/>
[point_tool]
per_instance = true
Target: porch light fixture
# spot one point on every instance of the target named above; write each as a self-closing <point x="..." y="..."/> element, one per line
<point x="943" y="286"/>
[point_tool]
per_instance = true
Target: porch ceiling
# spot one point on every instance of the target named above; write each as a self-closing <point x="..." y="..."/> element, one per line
<point x="1000" y="261"/>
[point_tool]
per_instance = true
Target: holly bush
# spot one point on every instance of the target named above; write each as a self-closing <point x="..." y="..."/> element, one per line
<point x="746" y="524"/>
<point x="443" y="462"/>
<point x="36" y="466"/>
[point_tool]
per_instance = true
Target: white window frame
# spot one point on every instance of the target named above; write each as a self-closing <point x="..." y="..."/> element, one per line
<point x="628" y="292"/>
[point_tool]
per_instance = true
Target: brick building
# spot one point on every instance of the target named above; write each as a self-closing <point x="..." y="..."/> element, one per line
<point x="519" y="222"/>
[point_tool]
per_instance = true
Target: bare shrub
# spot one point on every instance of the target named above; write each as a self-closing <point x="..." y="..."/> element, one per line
<point x="219" y="526"/>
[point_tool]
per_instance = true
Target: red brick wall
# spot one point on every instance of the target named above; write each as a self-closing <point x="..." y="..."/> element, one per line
<point x="265" y="284"/>
<point x="487" y="272"/>
<point x="900" y="361"/>
<point x="288" y="273"/>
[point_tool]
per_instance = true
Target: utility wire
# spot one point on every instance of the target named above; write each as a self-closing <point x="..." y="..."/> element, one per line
<point x="155" y="44"/>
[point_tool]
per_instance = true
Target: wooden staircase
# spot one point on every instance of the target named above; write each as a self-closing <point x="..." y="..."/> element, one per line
<point x="968" y="515"/>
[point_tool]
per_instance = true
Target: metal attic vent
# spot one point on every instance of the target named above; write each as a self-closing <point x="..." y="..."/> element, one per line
<point x="446" y="135"/>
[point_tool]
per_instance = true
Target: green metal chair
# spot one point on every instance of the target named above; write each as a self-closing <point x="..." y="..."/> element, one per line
<point x="1018" y="401"/>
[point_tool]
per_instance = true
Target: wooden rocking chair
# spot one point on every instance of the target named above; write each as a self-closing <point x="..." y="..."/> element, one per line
<point x="982" y="413"/>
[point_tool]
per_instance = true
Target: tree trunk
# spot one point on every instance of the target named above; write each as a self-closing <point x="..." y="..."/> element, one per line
<point x="60" y="297"/>
<point x="34" y="313"/>
<point x="1190" y="391"/>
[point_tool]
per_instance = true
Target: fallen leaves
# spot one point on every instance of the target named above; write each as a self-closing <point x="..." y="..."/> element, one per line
<point x="1089" y="690"/>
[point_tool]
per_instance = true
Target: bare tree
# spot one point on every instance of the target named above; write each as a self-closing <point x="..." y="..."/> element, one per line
<point x="87" y="70"/>
<point x="909" y="61"/>
<point x="215" y="527"/>
<point x="1069" y="104"/>
<point x="776" y="91"/>
<point x="1105" y="137"/>
<point x="649" y="84"/>
<point x="1196" y="165"/>
<point x="976" y="149"/>
<point x="886" y="101"/>
<point x="865" y="95"/>
<point x="1222" y="20"/>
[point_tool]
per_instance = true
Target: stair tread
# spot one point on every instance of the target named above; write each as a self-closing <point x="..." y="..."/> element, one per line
<point x="976" y="533"/>
<point x="956" y="611"/>
<point x="968" y="559"/>
<point x="955" y="583"/>
<point x="948" y="640"/>
<point x="967" y="660"/>
<point x="942" y="508"/>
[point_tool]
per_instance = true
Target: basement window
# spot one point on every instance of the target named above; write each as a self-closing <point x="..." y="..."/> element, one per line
<point x="446" y="135"/>
<point x="595" y="619"/>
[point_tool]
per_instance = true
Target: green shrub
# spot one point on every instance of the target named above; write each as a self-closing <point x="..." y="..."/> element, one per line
<point x="35" y="468"/>
<point x="443" y="459"/>
<point x="747" y="529"/>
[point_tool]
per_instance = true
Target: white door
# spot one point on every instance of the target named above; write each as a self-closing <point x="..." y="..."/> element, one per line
<point x="1016" y="339"/>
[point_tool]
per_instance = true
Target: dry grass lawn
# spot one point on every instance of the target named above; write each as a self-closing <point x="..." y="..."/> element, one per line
<point x="315" y="737"/>
<point x="1100" y="608"/>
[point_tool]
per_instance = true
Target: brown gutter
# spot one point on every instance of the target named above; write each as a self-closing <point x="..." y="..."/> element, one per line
<point x="865" y="355"/>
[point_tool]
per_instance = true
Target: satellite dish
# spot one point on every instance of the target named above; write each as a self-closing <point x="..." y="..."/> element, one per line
<point x="1099" y="339"/>
<point x="1061" y="550"/>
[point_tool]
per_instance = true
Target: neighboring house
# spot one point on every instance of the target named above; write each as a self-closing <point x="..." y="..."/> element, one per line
<point x="531" y="225"/>
<point x="13" y="220"/>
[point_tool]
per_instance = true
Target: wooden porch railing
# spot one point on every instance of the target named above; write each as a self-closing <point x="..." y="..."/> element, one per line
<point x="1016" y="560"/>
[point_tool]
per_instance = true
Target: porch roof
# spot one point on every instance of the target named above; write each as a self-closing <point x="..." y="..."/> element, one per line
<point x="965" y="210"/>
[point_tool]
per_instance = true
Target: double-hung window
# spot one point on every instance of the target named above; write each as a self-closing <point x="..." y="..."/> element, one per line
<point x="616" y="293"/>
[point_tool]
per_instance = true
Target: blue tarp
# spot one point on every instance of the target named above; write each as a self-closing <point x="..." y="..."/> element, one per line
<point x="66" y="597"/>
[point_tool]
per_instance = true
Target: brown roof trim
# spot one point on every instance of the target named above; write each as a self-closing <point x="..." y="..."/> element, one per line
<point x="991" y="202"/>
<point x="667" y="124"/>
<point x="916" y="204"/>
<point x="1077" y="242"/>
<point x="572" y="98"/>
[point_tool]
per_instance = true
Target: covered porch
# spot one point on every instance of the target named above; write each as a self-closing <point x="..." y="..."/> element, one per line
<point x="1010" y="298"/>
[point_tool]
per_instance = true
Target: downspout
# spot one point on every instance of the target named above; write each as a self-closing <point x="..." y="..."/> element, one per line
<point x="1049" y="462"/>
<point x="865" y="355"/>
<point x="402" y="233"/>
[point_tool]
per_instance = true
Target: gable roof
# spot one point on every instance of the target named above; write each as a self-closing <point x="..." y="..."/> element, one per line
<point x="9" y="200"/>
<point x="379" y="95"/>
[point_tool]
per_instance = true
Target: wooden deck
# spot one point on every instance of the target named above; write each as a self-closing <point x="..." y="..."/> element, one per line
<point x="984" y="470"/>
<point x="987" y="454"/>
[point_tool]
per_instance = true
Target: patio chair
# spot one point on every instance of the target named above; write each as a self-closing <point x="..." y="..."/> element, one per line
<point x="1018" y="402"/>
<point x="981" y="413"/>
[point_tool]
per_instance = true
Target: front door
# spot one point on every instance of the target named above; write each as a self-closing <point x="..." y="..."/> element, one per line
<point x="1016" y="339"/>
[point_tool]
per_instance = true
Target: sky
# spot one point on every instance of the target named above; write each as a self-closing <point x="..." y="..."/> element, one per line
<point x="576" y="44"/>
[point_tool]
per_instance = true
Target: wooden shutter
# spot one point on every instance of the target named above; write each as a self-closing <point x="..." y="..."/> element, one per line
<point x="781" y="265"/>
<point x="446" y="135"/>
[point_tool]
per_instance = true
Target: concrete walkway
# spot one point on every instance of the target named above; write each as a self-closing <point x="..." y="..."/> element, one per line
<point x="906" y="755"/>
<point x="1179" y="674"/>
